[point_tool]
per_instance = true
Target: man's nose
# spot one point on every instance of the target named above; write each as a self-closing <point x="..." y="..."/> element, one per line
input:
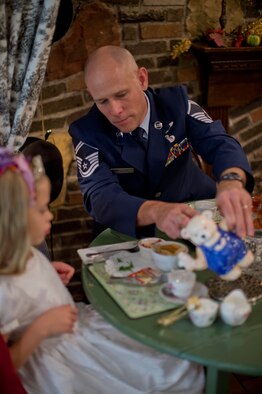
<point x="115" y="107"/>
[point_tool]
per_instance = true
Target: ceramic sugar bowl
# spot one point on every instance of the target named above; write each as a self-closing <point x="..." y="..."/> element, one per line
<point x="235" y="308"/>
<point x="203" y="313"/>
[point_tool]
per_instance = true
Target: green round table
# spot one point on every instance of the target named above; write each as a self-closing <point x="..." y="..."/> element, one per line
<point x="221" y="348"/>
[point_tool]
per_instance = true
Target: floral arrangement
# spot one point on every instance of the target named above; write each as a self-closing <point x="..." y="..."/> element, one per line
<point x="251" y="35"/>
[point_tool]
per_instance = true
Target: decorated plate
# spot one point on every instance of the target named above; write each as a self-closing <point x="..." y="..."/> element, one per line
<point x="122" y="264"/>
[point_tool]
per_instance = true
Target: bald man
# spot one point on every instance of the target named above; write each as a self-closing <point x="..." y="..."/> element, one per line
<point x="133" y="149"/>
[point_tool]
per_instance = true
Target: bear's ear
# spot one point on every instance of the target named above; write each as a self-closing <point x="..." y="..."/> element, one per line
<point x="184" y="233"/>
<point x="207" y="214"/>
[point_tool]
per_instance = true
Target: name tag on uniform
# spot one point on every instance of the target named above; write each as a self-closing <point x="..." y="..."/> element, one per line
<point x="128" y="170"/>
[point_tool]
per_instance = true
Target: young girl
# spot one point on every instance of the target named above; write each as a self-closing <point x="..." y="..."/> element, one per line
<point x="57" y="346"/>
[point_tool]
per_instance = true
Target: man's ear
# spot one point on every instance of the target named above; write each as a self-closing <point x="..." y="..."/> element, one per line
<point x="143" y="77"/>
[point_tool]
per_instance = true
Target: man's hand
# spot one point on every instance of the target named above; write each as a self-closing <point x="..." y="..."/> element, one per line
<point x="65" y="271"/>
<point x="168" y="217"/>
<point x="235" y="204"/>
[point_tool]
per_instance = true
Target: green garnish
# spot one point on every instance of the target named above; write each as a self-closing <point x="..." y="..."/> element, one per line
<point x="126" y="267"/>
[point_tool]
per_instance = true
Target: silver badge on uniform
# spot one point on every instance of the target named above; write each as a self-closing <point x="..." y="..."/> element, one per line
<point x="158" y="125"/>
<point x="170" y="138"/>
<point x="169" y="127"/>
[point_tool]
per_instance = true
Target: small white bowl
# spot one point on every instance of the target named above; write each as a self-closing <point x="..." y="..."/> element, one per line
<point x="181" y="282"/>
<point x="205" y="314"/>
<point x="145" y="245"/>
<point x="235" y="308"/>
<point x="167" y="262"/>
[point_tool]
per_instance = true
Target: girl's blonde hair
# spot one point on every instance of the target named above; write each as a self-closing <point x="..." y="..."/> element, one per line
<point x="14" y="236"/>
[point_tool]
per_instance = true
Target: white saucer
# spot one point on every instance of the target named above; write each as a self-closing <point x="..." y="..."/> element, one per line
<point x="199" y="290"/>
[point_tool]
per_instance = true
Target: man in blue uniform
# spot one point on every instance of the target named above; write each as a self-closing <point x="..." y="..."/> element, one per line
<point x="133" y="149"/>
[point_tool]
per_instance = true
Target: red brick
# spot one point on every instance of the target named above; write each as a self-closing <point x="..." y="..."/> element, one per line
<point x="56" y="106"/>
<point x="160" y="30"/>
<point x="76" y="115"/>
<point x="77" y="82"/>
<point x="186" y="74"/>
<point x="74" y="198"/>
<point x="53" y="90"/>
<point x="256" y="115"/>
<point x="165" y="2"/>
<point x="145" y="48"/>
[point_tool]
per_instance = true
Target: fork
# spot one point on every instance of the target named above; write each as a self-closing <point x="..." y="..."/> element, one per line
<point x="192" y="303"/>
<point x="108" y="253"/>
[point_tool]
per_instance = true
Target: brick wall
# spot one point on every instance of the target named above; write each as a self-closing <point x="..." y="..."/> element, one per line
<point x="245" y="124"/>
<point x="148" y="30"/>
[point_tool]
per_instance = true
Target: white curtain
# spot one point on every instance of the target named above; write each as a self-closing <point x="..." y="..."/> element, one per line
<point x="26" y="32"/>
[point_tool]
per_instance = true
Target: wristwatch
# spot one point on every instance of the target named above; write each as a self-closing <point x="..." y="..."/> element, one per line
<point x="232" y="176"/>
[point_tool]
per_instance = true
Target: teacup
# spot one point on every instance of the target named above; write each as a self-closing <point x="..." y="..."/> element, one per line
<point x="208" y="205"/>
<point x="165" y="253"/>
<point x="181" y="282"/>
<point x="203" y="205"/>
<point x="205" y="313"/>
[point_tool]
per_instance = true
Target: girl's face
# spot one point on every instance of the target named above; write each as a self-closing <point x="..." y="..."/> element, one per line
<point x="39" y="216"/>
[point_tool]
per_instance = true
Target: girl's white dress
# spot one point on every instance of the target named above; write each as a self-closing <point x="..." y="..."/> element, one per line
<point x="97" y="358"/>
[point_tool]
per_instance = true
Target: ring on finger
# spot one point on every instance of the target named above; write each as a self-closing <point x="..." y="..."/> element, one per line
<point x="245" y="206"/>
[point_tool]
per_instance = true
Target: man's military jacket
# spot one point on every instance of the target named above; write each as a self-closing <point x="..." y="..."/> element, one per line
<point x="116" y="175"/>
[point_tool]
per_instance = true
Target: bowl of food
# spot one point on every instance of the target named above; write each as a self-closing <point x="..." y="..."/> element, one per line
<point x="204" y="313"/>
<point x="145" y="245"/>
<point x="164" y="254"/>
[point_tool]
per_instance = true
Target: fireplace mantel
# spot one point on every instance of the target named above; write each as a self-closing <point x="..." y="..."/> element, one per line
<point x="228" y="77"/>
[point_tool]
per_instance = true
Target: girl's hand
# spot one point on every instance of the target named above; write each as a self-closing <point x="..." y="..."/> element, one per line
<point x="54" y="321"/>
<point x="57" y="320"/>
<point x="65" y="271"/>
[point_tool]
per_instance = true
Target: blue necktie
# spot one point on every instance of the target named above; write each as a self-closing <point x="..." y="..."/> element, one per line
<point x="138" y="135"/>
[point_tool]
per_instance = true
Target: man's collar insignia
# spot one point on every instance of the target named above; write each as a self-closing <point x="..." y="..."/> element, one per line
<point x="170" y="138"/>
<point x="158" y="125"/>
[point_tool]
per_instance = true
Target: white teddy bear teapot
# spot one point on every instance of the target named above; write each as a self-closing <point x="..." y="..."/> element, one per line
<point x="219" y="250"/>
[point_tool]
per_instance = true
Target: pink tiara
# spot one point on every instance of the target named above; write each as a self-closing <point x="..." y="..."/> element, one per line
<point x="18" y="162"/>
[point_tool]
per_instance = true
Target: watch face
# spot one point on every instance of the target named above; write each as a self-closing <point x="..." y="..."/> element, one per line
<point x="231" y="176"/>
